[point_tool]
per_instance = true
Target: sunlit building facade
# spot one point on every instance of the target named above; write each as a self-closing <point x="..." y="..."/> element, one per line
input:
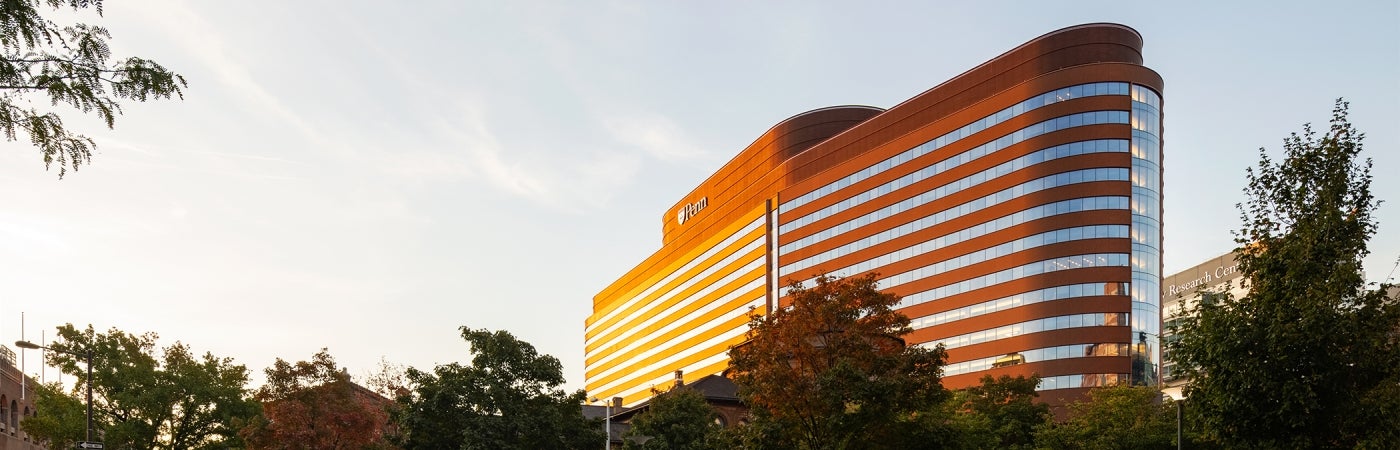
<point x="1016" y="209"/>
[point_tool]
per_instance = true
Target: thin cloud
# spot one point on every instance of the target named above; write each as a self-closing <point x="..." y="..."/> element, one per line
<point x="463" y="142"/>
<point x="185" y="26"/>
<point x="471" y="133"/>
<point x="25" y="235"/>
<point x="245" y="156"/>
<point x="574" y="181"/>
<point x="654" y="134"/>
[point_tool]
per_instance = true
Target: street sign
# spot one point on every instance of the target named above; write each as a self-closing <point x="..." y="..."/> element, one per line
<point x="91" y="445"/>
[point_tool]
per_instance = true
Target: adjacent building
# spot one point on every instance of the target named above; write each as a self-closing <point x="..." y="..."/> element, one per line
<point x="1216" y="278"/>
<point x="1015" y="207"/>
<point x="16" y="403"/>
<point x="719" y="392"/>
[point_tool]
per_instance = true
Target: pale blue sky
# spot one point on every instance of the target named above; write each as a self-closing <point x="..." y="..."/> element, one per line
<point x="367" y="176"/>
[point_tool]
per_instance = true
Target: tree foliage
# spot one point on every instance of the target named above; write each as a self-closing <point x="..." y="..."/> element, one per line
<point x="509" y="397"/>
<point x="389" y="379"/>
<point x="678" y="419"/>
<point x="171" y="399"/>
<point x="1113" y="418"/>
<point x="832" y="371"/>
<point x="999" y="413"/>
<point x="71" y="66"/>
<point x="64" y="419"/>
<point x="1307" y="359"/>
<point x="314" y="404"/>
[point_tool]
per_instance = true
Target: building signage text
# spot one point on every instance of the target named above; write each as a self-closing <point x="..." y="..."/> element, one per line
<point x="1219" y="273"/>
<point x="690" y="210"/>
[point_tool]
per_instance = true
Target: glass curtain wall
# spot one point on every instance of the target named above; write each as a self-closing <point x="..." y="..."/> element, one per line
<point x="1146" y="235"/>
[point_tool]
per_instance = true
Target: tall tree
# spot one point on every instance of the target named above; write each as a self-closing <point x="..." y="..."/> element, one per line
<point x="1000" y="412"/>
<point x="1307" y="359"/>
<point x="832" y="371"/>
<point x="1113" y="418"/>
<point x="171" y="399"/>
<point x="313" y="404"/>
<point x="678" y="419"/>
<point x="508" y="398"/>
<point x="70" y="65"/>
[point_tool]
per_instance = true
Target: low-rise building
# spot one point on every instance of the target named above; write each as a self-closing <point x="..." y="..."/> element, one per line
<point x="16" y="403"/>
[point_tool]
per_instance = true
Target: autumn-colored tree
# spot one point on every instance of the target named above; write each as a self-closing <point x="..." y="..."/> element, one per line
<point x="389" y="379"/>
<point x="314" y="404"/>
<point x="832" y="371"/>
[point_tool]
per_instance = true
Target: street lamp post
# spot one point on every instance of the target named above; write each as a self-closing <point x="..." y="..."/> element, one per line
<point x="88" y="356"/>
<point x="607" y="422"/>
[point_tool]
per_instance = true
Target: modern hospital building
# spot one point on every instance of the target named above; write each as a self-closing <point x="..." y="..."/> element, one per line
<point x="1016" y="208"/>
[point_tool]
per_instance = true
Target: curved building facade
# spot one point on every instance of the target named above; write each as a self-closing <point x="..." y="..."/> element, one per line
<point x="1016" y="208"/>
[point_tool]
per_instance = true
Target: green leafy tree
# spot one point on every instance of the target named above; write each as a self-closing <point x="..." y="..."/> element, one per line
<point x="508" y="398"/>
<point x="72" y="66"/>
<point x="1000" y="412"/>
<point x="832" y="371"/>
<point x="1308" y="358"/>
<point x="313" y="404"/>
<point x="1112" y="418"/>
<point x="64" y="419"/>
<point x="678" y="419"/>
<point x="171" y="399"/>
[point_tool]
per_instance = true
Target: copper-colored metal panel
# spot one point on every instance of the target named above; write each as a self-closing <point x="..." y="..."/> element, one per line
<point x="1083" y="218"/>
<point x="1052" y="338"/>
<point x="778" y="144"/>
<point x="1013" y="287"/>
<point x="1052" y="368"/>
<point x="1086" y="104"/>
<point x="991" y="186"/>
<point x="1077" y="305"/>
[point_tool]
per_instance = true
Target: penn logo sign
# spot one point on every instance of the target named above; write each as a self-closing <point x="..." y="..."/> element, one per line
<point x="690" y="210"/>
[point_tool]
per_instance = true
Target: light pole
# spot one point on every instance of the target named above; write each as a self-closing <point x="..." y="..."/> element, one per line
<point x="1178" y="424"/>
<point x="607" y="422"/>
<point x="1180" y="443"/>
<point x="88" y="356"/>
